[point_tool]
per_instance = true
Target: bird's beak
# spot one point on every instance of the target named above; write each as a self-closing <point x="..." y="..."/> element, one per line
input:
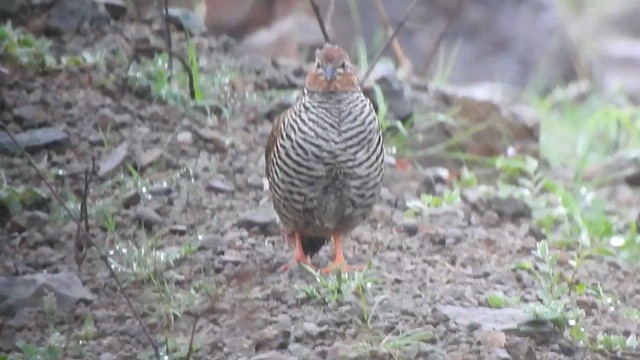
<point x="330" y="72"/>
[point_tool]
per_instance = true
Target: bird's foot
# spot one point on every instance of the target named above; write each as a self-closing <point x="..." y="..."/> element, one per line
<point x="342" y="266"/>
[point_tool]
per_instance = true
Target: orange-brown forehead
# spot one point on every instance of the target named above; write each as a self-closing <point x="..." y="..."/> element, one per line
<point x="330" y="54"/>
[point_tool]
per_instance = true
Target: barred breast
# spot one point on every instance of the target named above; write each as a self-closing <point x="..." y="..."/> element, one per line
<point x="326" y="164"/>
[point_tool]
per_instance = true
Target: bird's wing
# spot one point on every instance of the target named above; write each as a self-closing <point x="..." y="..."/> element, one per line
<point x="276" y="132"/>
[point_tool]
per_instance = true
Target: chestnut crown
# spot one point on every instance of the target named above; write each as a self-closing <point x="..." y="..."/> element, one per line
<point x="333" y="71"/>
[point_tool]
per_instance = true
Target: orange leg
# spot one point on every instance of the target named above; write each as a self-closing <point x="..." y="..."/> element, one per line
<point x="298" y="254"/>
<point x="339" y="262"/>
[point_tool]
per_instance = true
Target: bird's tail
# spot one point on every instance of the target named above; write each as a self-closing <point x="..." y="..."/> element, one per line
<point x="311" y="245"/>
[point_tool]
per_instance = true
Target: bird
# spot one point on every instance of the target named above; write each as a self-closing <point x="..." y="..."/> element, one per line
<point x="324" y="160"/>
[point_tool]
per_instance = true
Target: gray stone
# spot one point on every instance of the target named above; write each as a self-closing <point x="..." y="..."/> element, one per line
<point x="113" y="161"/>
<point x="186" y="20"/>
<point x="148" y="217"/>
<point x="27" y="291"/>
<point x="29" y="116"/>
<point x="489" y="319"/>
<point x="67" y="15"/>
<point x="33" y="139"/>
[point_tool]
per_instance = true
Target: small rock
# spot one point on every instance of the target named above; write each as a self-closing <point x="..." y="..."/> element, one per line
<point x="490" y="319"/>
<point x="255" y="182"/>
<point x="302" y="352"/>
<point x="312" y="329"/>
<point x="96" y="140"/>
<point x="149" y="157"/>
<point x="396" y="92"/>
<point x="116" y="9"/>
<point x="186" y="20"/>
<point x="219" y="141"/>
<point x="493" y="339"/>
<point x="148" y="217"/>
<point x="131" y="198"/>
<point x="28" y="220"/>
<point x="211" y="242"/>
<point x="432" y="177"/>
<point x="33" y="139"/>
<point x="29" y="116"/>
<point x="220" y="186"/>
<point x="185" y="137"/>
<point x="8" y="338"/>
<point x="409" y="226"/>
<point x="273" y="355"/>
<point x="161" y="189"/>
<point x="67" y="15"/>
<point x="265" y="219"/>
<point x="510" y="208"/>
<point x="178" y="230"/>
<point x="107" y="356"/>
<point x="26" y="291"/>
<point x="234" y="259"/>
<point x="112" y="163"/>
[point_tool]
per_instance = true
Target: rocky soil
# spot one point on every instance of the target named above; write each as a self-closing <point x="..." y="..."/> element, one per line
<point x="178" y="205"/>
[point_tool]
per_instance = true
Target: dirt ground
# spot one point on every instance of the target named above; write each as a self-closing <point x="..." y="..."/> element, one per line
<point x="211" y="209"/>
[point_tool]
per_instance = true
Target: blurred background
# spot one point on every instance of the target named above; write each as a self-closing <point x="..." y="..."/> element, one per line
<point x="535" y="44"/>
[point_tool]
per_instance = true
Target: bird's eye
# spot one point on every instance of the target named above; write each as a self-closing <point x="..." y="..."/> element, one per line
<point x="343" y="64"/>
<point x="318" y="64"/>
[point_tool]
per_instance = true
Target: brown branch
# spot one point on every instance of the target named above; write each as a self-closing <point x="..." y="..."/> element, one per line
<point x="167" y="30"/>
<point x="389" y="41"/>
<point x="403" y="62"/>
<point x="436" y="45"/>
<point x="316" y="12"/>
<point x="80" y="245"/>
<point x="193" y="332"/>
<point x="88" y="237"/>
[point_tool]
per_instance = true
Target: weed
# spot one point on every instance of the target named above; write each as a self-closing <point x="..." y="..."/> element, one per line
<point x="334" y="287"/>
<point x="428" y="201"/>
<point x="395" y="345"/>
<point x="19" y="47"/>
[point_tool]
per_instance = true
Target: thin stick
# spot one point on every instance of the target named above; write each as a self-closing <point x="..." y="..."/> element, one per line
<point x="329" y="15"/>
<point x="168" y="34"/>
<point x="403" y="62"/>
<point x="193" y="332"/>
<point x="80" y="245"/>
<point x="436" y="45"/>
<point x="389" y="40"/>
<point x="88" y="238"/>
<point x="316" y="12"/>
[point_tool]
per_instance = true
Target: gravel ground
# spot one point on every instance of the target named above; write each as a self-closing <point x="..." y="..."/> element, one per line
<point x="199" y="199"/>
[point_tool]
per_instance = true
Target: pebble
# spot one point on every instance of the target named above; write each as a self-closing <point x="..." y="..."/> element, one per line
<point x="220" y="186"/>
<point x="148" y="217"/>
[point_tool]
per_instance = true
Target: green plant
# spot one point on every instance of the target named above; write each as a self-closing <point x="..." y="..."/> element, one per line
<point x="19" y="47"/>
<point x="334" y="287"/>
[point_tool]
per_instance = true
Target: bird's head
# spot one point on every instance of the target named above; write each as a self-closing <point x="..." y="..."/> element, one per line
<point x="332" y="71"/>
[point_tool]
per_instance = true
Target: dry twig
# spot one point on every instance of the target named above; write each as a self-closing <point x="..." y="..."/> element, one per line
<point x="80" y="245"/>
<point x="168" y="34"/>
<point x="323" y="28"/>
<point x="193" y="332"/>
<point x="392" y="36"/>
<point x="403" y="62"/>
<point x="436" y="45"/>
<point x="88" y="239"/>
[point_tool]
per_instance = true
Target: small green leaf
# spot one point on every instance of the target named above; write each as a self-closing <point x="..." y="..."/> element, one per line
<point x="496" y="300"/>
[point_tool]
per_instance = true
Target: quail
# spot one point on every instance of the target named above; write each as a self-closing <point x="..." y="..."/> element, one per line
<point x="324" y="159"/>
